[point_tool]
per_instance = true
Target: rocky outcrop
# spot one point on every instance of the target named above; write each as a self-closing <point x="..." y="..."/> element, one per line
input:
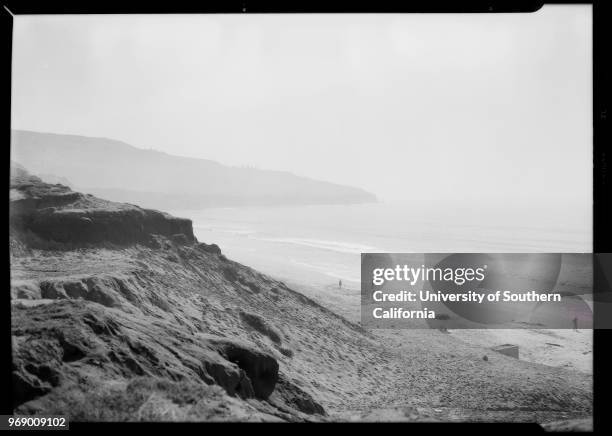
<point x="57" y="346"/>
<point x="50" y="336"/>
<point x="288" y="394"/>
<point x="260" y="368"/>
<point x="56" y="214"/>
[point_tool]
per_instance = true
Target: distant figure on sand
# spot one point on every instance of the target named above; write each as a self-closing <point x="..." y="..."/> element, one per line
<point x="575" y="321"/>
<point x="340" y="284"/>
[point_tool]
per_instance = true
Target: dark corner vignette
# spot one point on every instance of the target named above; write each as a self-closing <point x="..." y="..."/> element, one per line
<point x="602" y="240"/>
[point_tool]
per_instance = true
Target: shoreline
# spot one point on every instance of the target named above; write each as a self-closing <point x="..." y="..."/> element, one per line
<point x="559" y="348"/>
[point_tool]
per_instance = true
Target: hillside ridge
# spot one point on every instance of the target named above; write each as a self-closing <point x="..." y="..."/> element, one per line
<point x="121" y="172"/>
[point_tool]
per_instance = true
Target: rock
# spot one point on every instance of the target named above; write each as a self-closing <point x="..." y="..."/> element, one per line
<point x="233" y="379"/>
<point x="106" y="290"/>
<point x="209" y="248"/>
<point x="52" y="290"/>
<point x="262" y="326"/>
<point x="507" y="350"/>
<point x="260" y="367"/>
<point x="25" y="289"/>
<point x="287" y="393"/>
<point x="27" y="387"/>
<point x="58" y="215"/>
<point x="46" y="338"/>
<point x="76" y="289"/>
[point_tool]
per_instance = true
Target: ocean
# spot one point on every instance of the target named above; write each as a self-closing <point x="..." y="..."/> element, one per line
<point x="321" y="244"/>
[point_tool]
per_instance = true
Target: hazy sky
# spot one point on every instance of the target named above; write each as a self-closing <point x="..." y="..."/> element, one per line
<point x="434" y="106"/>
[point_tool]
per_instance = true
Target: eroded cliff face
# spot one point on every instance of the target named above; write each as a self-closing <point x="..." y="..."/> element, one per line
<point x="107" y="321"/>
<point x="120" y="310"/>
<point x="55" y="213"/>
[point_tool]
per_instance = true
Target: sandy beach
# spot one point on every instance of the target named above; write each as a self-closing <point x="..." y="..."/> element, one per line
<point x="564" y="348"/>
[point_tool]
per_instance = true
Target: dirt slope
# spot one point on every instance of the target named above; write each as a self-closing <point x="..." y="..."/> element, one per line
<point x="172" y="330"/>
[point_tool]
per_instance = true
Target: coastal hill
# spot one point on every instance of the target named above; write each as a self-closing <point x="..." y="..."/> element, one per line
<point x="147" y="323"/>
<point x="118" y="171"/>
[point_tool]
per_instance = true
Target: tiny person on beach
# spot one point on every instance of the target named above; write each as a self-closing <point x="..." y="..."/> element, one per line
<point x="339" y="284"/>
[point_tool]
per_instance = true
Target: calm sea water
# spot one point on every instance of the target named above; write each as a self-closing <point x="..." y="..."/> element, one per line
<point x="322" y="244"/>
